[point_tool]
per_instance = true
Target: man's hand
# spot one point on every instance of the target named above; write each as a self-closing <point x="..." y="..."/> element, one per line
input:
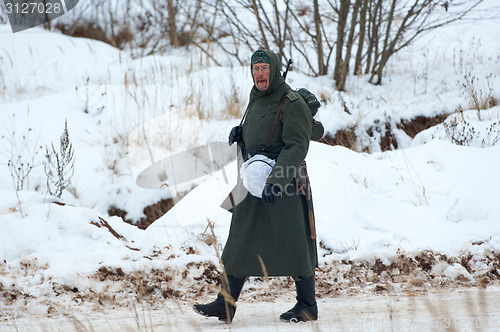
<point x="235" y="135"/>
<point x="270" y="193"/>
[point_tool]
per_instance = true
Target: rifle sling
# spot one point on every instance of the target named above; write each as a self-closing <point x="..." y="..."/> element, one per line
<point x="275" y="122"/>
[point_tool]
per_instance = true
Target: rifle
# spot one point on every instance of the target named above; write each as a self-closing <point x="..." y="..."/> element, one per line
<point x="290" y="61"/>
<point x="302" y="178"/>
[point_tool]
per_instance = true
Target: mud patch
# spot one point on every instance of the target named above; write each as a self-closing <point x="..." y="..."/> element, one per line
<point x="420" y="123"/>
<point x="383" y="131"/>
<point x="388" y="141"/>
<point x="152" y="212"/>
<point x="343" y="137"/>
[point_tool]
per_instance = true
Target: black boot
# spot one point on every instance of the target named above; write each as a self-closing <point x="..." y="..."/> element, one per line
<point x="221" y="308"/>
<point x="306" y="308"/>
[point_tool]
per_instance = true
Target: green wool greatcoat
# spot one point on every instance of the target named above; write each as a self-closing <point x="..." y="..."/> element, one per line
<point x="277" y="232"/>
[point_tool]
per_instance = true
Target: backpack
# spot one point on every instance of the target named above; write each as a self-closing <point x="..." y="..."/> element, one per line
<point x="317" y="130"/>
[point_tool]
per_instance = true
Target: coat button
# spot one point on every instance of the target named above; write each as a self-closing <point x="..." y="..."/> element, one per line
<point x="262" y="115"/>
<point x="260" y="127"/>
<point x="258" y="139"/>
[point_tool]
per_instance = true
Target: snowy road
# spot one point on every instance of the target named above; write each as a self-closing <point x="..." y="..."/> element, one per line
<point x="460" y="310"/>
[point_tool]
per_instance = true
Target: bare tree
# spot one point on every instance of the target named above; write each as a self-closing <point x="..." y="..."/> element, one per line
<point x="319" y="40"/>
<point x="362" y="34"/>
<point x="266" y="26"/>
<point x="395" y="24"/>
<point x="272" y="27"/>
<point x="338" y="73"/>
<point x="342" y="60"/>
<point x="358" y="34"/>
<point x="172" y="24"/>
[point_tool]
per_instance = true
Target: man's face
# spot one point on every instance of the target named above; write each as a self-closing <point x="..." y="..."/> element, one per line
<point x="261" y="73"/>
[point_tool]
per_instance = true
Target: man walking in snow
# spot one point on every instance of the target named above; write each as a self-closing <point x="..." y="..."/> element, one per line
<point x="271" y="235"/>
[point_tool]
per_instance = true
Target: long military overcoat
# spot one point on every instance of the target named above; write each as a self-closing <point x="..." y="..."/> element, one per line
<point x="277" y="232"/>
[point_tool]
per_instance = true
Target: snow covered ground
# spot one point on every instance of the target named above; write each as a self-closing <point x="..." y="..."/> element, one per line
<point x="457" y="311"/>
<point x="396" y="229"/>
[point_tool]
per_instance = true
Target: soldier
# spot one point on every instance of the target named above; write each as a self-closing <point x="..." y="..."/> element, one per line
<point x="271" y="235"/>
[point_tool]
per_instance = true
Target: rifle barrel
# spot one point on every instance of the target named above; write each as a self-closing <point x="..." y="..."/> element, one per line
<point x="290" y="61"/>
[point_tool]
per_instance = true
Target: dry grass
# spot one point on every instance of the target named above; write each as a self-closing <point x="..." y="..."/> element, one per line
<point x="480" y="95"/>
<point x="344" y="137"/>
<point x="233" y="105"/>
<point x="415" y="273"/>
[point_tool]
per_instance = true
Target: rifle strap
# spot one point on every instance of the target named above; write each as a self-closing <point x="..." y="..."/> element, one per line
<point x="275" y="122"/>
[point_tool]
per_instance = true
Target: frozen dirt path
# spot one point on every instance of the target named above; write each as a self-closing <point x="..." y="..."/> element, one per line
<point x="459" y="310"/>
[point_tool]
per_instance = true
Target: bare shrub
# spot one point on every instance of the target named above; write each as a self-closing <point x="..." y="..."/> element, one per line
<point x="462" y="132"/>
<point x="22" y="153"/>
<point x="88" y="93"/>
<point x="60" y="166"/>
<point x="480" y="97"/>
